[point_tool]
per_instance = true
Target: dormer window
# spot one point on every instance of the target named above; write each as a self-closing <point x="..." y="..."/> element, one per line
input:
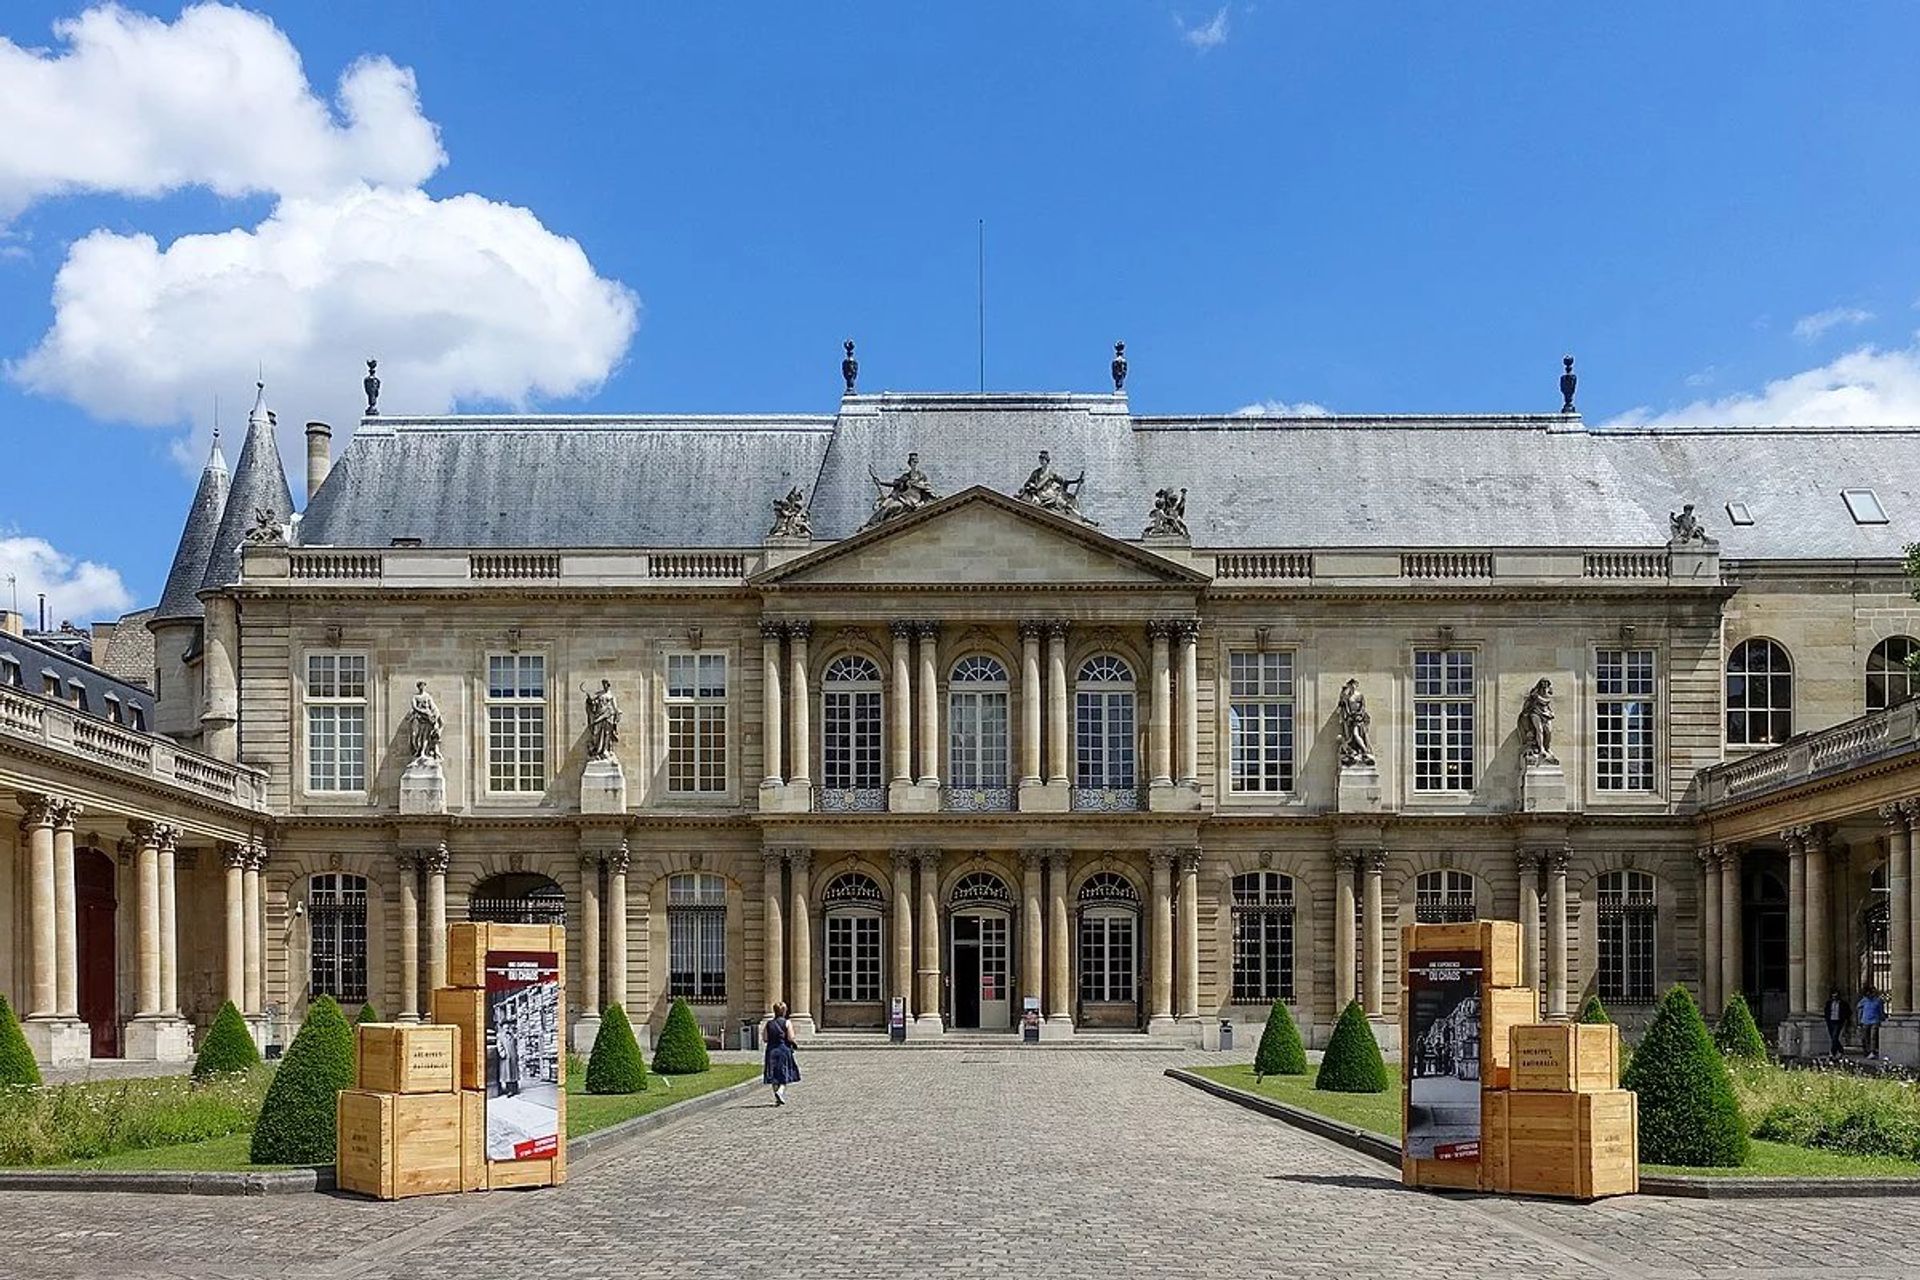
<point x="114" y="711"/>
<point x="1864" y="506"/>
<point x="50" y="683"/>
<point x="10" y="672"/>
<point x="77" y="695"/>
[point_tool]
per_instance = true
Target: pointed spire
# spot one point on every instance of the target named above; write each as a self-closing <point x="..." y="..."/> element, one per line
<point x="181" y="597"/>
<point x="259" y="484"/>
<point x="260" y="412"/>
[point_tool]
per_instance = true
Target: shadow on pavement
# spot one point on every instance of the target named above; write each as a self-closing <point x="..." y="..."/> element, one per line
<point x="1362" y="1180"/>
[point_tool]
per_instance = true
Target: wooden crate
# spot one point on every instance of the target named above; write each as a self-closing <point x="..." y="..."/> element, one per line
<point x="465" y="1008"/>
<point x="473" y="1140"/>
<point x="1469" y="1175"/>
<point x="468" y="943"/>
<point x="394" y="1145"/>
<point x="502" y="1174"/>
<point x="1497" y="941"/>
<point x="1565" y="1057"/>
<point x="1576" y="1145"/>
<point x="1501" y="1009"/>
<point x="406" y="1057"/>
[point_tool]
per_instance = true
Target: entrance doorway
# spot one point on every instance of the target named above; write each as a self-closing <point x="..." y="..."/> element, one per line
<point x="95" y="904"/>
<point x="981" y="996"/>
<point x="1764" y="966"/>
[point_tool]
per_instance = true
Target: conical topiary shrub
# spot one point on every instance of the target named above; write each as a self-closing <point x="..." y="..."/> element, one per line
<point x="1352" y="1062"/>
<point x="16" y="1057"/>
<point x="367" y="1014"/>
<point x="682" y="1050"/>
<point x="616" y="1065"/>
<point x="1593" y="1011"/>
<point x="1738" y="1036"/>
<point x="1280" y="1052"/>
<point x="298" y="1122"/>
<point x="228" y="1047"/>
<point x="1688" y="1112"/>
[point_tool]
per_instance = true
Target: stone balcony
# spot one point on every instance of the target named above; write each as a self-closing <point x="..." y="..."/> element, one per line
<point x="1875" y="738"/>
<point x="34" y="722"/>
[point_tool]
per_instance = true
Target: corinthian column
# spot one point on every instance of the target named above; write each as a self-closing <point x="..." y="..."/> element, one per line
<point x="407" y="876"/>
<point x="927" y="1015"/>
<point x="900" y="980"/>
<point x="1188" y="1007"/>
<point x="1819" y="919"/>
<point x="146" y="867"/>
<point x="1345" y="961"/>
<point x="66" y="915"/>
<point x="43" y="945"/>
<point x="1187" y="636"/>
<point x="618" y="863"/>
<point x="929" y="634"/>
<point x="1899" y="903"/>
<point x="800" y="926"/>
<point x="1059" y="996"/>
<point x="437" y="860"/>
<point x="1527" y="863"/>
<point x="1709" y="927"/>
<point x="236" y="857"/>
<point x="801" y="770"/>
<point x="590" y="1003"/>
<point x="1798" y="1001"/>
<point x="771" y="704"/>
<point x="1556" y="864"/>
<point x="902" y="701"/>
<point x="1033" y="978"/>
<point x="1059" y="771"/>
<point x="1030" y="699"/>
<point x="773" y="907"/>
<point x="1731" y="950"/>
<point x="251" y="949"/>
<point x="168" y="837"/>
<point x="1160" y="988"/>
<point x="1160" y="710"/>
<point x="1373" y="943"/>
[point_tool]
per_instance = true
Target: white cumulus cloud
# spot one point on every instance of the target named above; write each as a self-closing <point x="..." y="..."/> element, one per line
<point x="78" y="591"/>
<point x="1283" y="409"/>
<point x="1808" y="328"/>
<point x="1869" y="386"/>
<point x="1208" y="35"/>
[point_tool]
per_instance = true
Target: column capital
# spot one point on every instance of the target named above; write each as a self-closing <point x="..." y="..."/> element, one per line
<point x="929" y="859"/>
<point x="1031" y="860"/>
<point x="1708" y="856"/>
<point x="1057" y="860"/>
<point x="1161" y="860"/>
<point x="1797" y="838"/>
<point x="437" y="859"/>
<point x="1031" y="629"/>
<point x="590" y="862"/>
<point x="1345" y="860"/>
<point x="1898" y="814"/>
<point x="619" y="859"/>
<point x="1189" y="860"/>
<point x="64" y="811"/>
<point x="408" y="860"/>
<point x="38" y="807"/>
<point x="799" y="629"/>
<point x="903" y="628"/>
<point x="926" y="629"/>
<point x="903" y="861"/>
<point x="1057" y="629"/>
<point x="1526" y="863"/>
<point x="1556" y="860"/>
<point x="236" y="856"/>
<point x="772" y="629"/>
<point x="801" y="860"/>
<point x="1730" y="854"/>
<point x="1376" y="861"/>
<point x="1160" y="629"/>
<point x="257" y="858"/>
<point x="1185" y="630"/>
<point x="784" y="852"/>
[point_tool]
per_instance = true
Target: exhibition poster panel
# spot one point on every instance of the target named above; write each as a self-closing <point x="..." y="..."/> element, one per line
<point x="1443" y="1055"/>
<point x="523" y="1055"/>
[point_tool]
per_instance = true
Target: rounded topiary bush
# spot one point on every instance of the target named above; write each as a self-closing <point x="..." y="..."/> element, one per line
<point x="16" y="1058"/>
<point x="228" y="1047"/>
<point x="1280" y="1052"/>
<point x="1352" y="1062"/>
<point x="1593" y="1011"/>
<point x="682" y="1050"/>
<point x="1688" y="1112"/>
<point x="298" y="1120"/>
<point x="367" y="1014"/>
<point x="1738" y="1036"/>
<point x="616" y="1065"/>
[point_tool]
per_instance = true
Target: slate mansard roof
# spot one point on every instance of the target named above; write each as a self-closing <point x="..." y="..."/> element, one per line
<point x="1342" y="481"/>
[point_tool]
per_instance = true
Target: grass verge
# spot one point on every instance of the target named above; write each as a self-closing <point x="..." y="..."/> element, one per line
<point x="587" y="1112"/>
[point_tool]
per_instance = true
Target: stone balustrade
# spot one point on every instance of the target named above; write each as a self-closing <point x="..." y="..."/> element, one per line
<point x="1863" y="740"/>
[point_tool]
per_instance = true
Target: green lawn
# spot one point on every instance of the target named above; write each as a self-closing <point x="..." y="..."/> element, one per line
<point x="215" y="1155"/>
<point x="1380" y="1113"/>
<point x="587" y="1112"/>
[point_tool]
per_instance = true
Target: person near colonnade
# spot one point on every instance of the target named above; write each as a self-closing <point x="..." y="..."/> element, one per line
<point x="780" y="1070"/>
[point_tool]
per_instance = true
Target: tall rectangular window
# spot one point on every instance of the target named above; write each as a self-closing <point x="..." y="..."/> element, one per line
<point x="336" y="722"/>
<point x="1443" y="720"/>
<point x="516" y="722"/>
<point x="853" y="957"/>
<point x="1260" y="721"/>
<point x="1262" y="937"/>
<point x="696" y="723"/>
<point x="1628" y="908"/>
<point x="337" y="924"/>
<point x="1623" y="719"/>
<point x="697" y="936"/>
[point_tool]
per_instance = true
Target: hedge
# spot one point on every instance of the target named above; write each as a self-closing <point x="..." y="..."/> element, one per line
<point x="1352" y="1062"/>
<point x="16" y="1058"/>
<point x="616" y="1065"/>
<point x="1688" y="1112"/>
<point x="682" y="1050"/>
<point x="1593" y="1011"/>
<point x="228" y="1047"/>
<point x="298" y="1120"/>
<point x="1280" y="1052"/>
<point x="367" y="1014"/>
<point x="1738" y="1036"/>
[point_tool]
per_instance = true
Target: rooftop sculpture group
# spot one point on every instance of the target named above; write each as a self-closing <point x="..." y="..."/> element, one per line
<point x="908" y="491"/>
<point x="1050" y="491"/>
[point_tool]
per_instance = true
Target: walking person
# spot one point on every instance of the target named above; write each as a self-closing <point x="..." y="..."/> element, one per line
<point x="1873" y="1011"/>
<point x="780" y="1070"/>
<point x="1836" y="1020"/>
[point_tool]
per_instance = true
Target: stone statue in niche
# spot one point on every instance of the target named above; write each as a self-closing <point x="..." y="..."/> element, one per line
<point x="1050" y="491"/>
<point x="790" y="518"/>
<point x="1168" y="519"/>
<point x="1684" y="526"/>
<point x="603" y="722"/>
<point x="1536" y="725"/>
<point x="1356" y="728"/>
<point x="908" y="491"/>
<point x="424" y="726"/>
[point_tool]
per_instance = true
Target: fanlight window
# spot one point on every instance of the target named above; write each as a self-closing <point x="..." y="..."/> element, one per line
<point x="978" y="888"/>
<point x="979" y="669"/>
<point x="1108" y="888"/>
<point x="1443" y="897"/>
<point x="853" y="889"/>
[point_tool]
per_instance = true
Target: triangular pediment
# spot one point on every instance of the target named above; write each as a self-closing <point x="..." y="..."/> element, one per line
<point x="979" y="538"/>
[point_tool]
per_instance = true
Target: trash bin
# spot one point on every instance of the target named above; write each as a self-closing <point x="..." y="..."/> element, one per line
<point x="1226" y="1036"/>
<point x="749" y="1034"/>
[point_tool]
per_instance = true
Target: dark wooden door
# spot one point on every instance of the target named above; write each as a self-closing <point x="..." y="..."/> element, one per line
<point x="94" y="902"/>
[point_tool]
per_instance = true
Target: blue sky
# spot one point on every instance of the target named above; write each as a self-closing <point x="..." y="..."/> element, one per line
<point x="1363" y="207"/>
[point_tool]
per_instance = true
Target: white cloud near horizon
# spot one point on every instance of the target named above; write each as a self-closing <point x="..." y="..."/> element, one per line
<point x="1869" y="386"/>
<point x="462" y="299"/>
<point x="1208" y="35"/>
<point x="78" y="591"/>
<point x="1809" y="328"/>
<point x="1283" y="409"/>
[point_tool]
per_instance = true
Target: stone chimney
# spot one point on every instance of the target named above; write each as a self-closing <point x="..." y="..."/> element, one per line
<point x="319" y="456"/>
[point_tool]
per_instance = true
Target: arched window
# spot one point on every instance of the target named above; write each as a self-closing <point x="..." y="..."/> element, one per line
<point x="980" y="889"/>
<point x="1443" y="897"/>
<point x="697" y="936"/>
<point x="518" y="897"/>
<point x="1104" y="744"/>
<point x="1628" y="901"/>
<point x="1262" y="937"/>
<point x="978" y="767"/>
<point x="337" y="926"/>
<point x="850" y="726"/>
<point x="1889" y="678"/>
<point x="853" y="903"/>
<point x="1109" y="939"/>
<point x="1759" y="694"/>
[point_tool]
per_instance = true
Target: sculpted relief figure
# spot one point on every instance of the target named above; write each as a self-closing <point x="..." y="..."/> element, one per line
<point x="1536" y="725"/>
<point x="1685" y="526"/>
<point x="603" y="722"/>
<point x="790" y="519"/>
<point x="908" y="491"/>
<point x="1356" y="727"/>
<point x="266" y="528"/>
<point x="1050" y="491"/>
<point x="424" y="725"/>
<point x="1168" y="519"/>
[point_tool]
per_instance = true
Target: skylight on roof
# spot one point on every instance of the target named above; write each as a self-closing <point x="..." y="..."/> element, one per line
<point x="1864" y="506"/>
<point x="1739" y="513"/>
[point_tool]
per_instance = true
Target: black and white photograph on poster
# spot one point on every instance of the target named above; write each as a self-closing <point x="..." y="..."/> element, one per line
<point x="523" y="1055"/>
<point x="1443" y="1056"/>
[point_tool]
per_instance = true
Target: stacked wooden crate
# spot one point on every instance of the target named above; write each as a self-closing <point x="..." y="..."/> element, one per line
<point x="406" y="1128"/>
<point x="1564" y="1128"/>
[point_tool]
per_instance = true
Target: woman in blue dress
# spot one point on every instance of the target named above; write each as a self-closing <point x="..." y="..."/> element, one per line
<point x="780" y="1070"/>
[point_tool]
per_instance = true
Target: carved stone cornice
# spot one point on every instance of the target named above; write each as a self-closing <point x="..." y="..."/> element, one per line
<point x="38" y="809"/>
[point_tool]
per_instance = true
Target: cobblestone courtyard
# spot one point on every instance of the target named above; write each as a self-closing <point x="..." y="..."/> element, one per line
<point x="989" y="1163"/>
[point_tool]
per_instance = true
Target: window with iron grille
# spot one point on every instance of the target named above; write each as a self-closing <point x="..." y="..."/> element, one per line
<point x="1104" y="719"/>
<point x="337" y="927"/>
<point x="851" y="720"/>
<point x="1260" y="721"/>
<point x="696" y="723"/>
<point x="1444" y="701"/>
<point x="1889" y="675"/>
<point x="336" y="698"/>
<point x="1443" y="897"/>
<point x="1623" y="729"/>
<point x="1759" y="695"/>
<point x="697" y="936"/>
<point x="516" y="722"/>
<point x="1627" y="912"/>
<point x="1262" y="937"/>
<point x="977" y="754"/>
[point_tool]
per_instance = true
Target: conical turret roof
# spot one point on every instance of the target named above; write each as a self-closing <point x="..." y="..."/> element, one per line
<point x="181" y="598"/>
<point x="259" y="484"/>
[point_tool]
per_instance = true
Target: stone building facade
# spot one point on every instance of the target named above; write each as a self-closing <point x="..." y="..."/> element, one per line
<point x="1185" y="716"/>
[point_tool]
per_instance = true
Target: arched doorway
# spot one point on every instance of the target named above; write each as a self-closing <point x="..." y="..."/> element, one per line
<point x="518" y="897"/>
<point x="980" y="920"/>
<point x="854" y="909"/>
<point x="1109" y="951"/>
<point x="95" y="902"/>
